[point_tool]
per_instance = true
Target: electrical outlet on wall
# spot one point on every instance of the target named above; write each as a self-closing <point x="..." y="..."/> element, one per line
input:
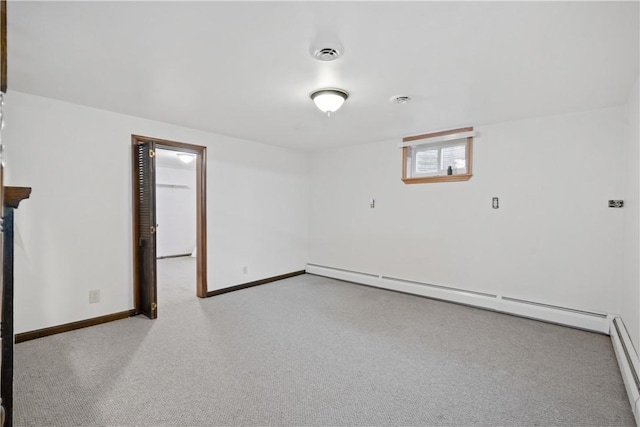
<point x="94" y="296"/>
<point x="245" y="270"/>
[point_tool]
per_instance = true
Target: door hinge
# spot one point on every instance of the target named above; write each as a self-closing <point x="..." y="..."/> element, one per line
<point x="154" y="306"/>
<point x="153" y="229"/>
<point x="152" y="153"/>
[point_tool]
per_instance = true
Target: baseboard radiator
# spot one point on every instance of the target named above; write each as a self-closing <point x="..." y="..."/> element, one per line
<point x="628" y="362"/>
<point x="597" y="322"/>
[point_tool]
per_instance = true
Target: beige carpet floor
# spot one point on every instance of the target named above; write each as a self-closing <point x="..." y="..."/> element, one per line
<point x="316" y="351"/>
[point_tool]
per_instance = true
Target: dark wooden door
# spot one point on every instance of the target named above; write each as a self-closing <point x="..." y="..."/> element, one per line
<point x="144" y="154"/>
<point x="12" y="198"/>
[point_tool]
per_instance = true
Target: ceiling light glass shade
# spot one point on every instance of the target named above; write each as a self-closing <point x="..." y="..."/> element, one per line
<point x="329" y="100"/>
<point x="186" y="158"/>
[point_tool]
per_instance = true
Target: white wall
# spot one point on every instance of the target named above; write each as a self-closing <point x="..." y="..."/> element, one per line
<point x="630" y="297"/>
<point x="74" y="234"/>
<point x="175" y="211"/>
<point x="553" y="240"/>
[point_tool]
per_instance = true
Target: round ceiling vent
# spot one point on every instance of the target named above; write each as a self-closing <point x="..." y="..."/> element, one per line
<point x="326" y="52"/>
<point x="400" y="99"/>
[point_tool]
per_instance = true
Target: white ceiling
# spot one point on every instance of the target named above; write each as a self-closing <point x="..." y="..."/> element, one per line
<point x="244" y="69"/>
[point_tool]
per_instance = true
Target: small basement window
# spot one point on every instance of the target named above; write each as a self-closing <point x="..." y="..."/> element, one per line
<point x="437" y="157"/>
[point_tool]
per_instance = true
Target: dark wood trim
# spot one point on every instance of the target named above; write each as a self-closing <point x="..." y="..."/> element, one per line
<point x="255" y="283"/>
<point x="201" y="208"/>
<point x="405" y="153"/>
<point x="435" y="134"/>
<point x="171" y="145"/>
<point x="201" y="224"/>
<point x="14" y="195"/>
<point x="40" y="333"/>
<point x="3" y="46"/>
<point x="439" y="178"/>
<point x="173" y="256"/>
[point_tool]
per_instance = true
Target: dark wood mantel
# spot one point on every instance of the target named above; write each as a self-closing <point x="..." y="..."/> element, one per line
<point x="14" y="195"/>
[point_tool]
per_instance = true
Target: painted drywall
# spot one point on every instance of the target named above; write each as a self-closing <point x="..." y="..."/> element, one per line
<point x="74" y="234"/>
<point x="175" y="211"/>
<point x="630" y="296"/>
<point x="553" y="240"/>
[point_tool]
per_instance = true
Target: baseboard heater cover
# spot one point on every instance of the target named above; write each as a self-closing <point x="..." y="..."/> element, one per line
<point x="591" y="321"/>
<point x="629" y="364"/>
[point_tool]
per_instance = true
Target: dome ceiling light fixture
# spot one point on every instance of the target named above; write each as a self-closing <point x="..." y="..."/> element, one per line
<point x="329" y="100"/>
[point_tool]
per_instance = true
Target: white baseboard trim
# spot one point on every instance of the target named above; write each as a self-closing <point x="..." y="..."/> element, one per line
<point x="628" y="363"/>
<point x="591" y="321"/>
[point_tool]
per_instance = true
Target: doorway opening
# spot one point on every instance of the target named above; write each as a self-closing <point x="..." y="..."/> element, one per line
<point x="145" y="225"/>
<point x="176" y="231"/>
